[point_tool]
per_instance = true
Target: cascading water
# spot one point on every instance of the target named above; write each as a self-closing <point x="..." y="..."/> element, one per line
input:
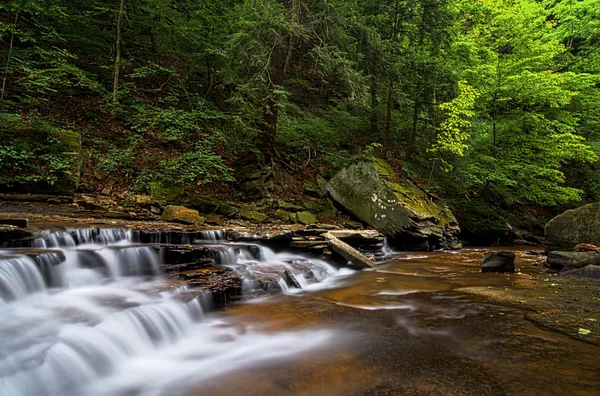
<point x="80" y="319"/>
<point x="262" y="268"/>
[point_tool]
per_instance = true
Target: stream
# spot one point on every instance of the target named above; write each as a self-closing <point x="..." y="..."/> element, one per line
<point x="86" y="312"/>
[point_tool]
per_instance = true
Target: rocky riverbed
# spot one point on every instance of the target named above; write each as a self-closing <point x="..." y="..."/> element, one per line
<point x="296" y="317"/>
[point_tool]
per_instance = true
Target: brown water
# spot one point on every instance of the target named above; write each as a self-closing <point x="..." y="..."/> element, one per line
<point x="405" y="329"/>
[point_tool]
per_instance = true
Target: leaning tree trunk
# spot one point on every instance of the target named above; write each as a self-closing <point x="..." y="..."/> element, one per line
<point x="115" y="97"/>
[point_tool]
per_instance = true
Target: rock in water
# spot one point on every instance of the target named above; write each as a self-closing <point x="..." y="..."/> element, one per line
<point x="402" y="211"/>
<point x="573" y="227"/>
<point x="572" y="259"/>
<point x="181" y="214"/>
<point x="503" y="261"/>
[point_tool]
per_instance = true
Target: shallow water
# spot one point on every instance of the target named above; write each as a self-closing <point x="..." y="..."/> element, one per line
<point x="89" y="326"/>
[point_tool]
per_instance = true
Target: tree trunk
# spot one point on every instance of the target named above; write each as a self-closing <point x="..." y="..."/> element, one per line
<point x="388" y="117"/>
<point x="10" y="48"/>
<point x="374" y="126"/>
<point x="118" y="53"/>
<point x="413" y="133"/>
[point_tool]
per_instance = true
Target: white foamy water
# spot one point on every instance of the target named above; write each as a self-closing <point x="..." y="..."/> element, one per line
<point x="89" y="326"/>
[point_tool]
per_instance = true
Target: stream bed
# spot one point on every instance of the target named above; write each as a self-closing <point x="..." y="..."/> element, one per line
<point x="86" y="312"/>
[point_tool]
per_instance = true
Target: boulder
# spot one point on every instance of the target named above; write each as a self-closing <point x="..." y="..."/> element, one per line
<point x="589" y="272"/>
<point x="307" y="218"/>
<point x="560" y="260"/>
<point x="503" y="261"/>
<point x="402" y="211"/>
<point x="181" y="214"/>
<point x="253" y="217"/>
<point x="12" y="236"/>
<point x="573" y="227"/>
<point x="206" y="205"/>
<point x="159" y="192"/>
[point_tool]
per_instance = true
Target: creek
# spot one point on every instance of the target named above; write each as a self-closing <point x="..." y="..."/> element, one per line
<point x="93" y="312"/>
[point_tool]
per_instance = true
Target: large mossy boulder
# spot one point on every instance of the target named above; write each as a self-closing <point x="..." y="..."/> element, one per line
<point x="400" y="210"/>
<point x="181" y="214"/>
<point x="573" y="227"/>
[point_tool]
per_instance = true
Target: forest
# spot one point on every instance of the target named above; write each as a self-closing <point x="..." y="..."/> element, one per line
<point x="493" y="105"/>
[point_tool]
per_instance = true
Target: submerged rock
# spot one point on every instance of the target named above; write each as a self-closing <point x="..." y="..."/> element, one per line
<point x="503" y="261"/>
<point x="573" y="227"/>
<point x="560" y="260"/>
<point x="181" y="214"/>
<point x="399" y="210"/>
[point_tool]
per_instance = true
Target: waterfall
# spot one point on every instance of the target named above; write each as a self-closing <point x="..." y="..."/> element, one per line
<point x="91" y="317"/>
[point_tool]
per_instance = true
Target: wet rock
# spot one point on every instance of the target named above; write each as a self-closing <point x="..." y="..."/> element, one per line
<point x="181" y="214"/>
<point x="20" y="223"/>
<point x="587" y="247"/>
<point x="503" y="261"/>
<point x="591" y="271"/>
<point x="156" y="210"/>
<point x="283" y="237"/>
<point x="573" y="227"/>
<point x="253" y="216"/>
<point x="306" y="218"/>
<point x="203" y="204"/>
<point x="159" y="192"/>
<point x="559" y="260"/>
<point x="289" y="206"/>
<point x="369" y="190"/>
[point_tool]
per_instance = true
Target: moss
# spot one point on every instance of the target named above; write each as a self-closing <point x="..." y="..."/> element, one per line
<point x="165" y="193"/>
<point x="384" y="168"/>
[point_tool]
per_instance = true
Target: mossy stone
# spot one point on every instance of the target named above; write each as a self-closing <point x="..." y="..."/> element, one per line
<point x="159" y="192"/>
<point x="253" y="216"/>
<point x="289" y="206"/>
<point x="307" y="218"/>
<point x="371" y="192"/>
<point x="282" y="215"/>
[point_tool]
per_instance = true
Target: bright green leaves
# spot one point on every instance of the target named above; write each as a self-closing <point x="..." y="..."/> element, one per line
<point x="453" y="132"/>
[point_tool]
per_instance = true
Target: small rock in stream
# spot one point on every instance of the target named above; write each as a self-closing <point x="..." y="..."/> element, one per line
<point x="503" y="261"/>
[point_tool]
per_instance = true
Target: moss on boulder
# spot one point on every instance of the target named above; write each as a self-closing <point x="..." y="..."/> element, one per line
<point x="371" y="191"/>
